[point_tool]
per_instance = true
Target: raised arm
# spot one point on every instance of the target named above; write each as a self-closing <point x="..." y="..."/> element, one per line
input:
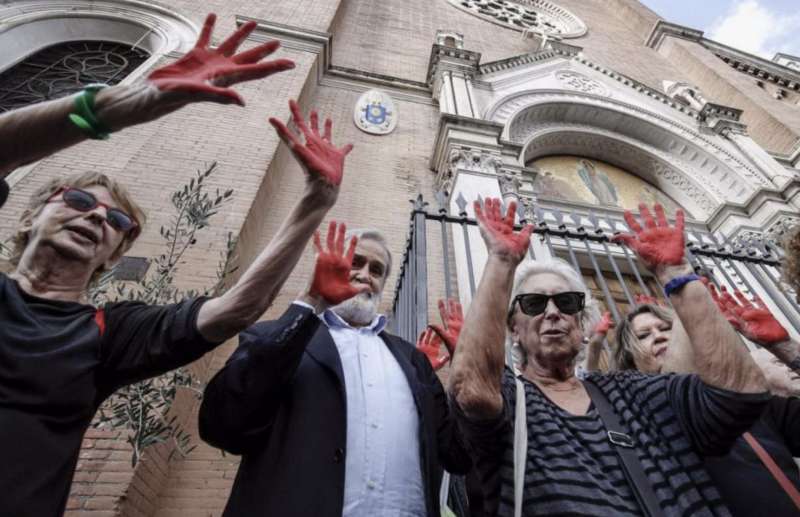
<point x="323" y="163"/>
<point x="720" y="357"/>
<point x="757" y="323"/>
<point x="595" y="346"/>
<point x="204" y="74"/>
<point x="477" y="368"/>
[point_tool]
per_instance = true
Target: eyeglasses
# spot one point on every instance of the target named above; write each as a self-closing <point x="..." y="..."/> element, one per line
<point x="533" y="304"/>
<point x="84" y="201"/>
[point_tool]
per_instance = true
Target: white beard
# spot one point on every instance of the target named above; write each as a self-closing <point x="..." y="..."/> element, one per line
<point x="359" y="310"/>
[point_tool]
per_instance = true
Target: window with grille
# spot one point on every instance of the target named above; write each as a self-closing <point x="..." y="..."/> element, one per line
<point x="65" y="68"/>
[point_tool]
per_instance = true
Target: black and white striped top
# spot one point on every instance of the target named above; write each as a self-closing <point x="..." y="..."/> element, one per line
<point x="571" y="467"/>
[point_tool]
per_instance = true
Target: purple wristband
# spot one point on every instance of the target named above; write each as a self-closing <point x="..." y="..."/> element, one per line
<point x="677" y="283"/>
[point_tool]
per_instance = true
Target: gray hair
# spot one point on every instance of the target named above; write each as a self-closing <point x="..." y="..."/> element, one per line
<point x="590" y="314"/>
<point x="373" y="235"/>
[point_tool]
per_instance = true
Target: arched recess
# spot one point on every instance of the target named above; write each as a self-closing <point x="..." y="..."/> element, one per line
<point x="701" y="172"/>
<point x="30" y="25"/>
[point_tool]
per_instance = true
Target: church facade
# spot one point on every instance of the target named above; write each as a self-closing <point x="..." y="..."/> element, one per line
<point x="576" y="109"/>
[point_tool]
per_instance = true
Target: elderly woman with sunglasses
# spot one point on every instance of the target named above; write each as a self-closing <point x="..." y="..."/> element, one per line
<point x="61" y="357"/>
<point x="569" y="464"/>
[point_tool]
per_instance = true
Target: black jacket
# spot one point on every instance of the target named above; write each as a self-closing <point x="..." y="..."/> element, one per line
<point x="280" y="403"/>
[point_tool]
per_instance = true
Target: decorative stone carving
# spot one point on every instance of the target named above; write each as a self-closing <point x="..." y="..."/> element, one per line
<point x="509" y="184"/>
<point x="448" y="38"/>
<point x="582" y="83"/>
<point x="541" y="16"/>
<point x="781" y="228"/>
<point x="686" y="94"/>
<point x="474" y="160"/>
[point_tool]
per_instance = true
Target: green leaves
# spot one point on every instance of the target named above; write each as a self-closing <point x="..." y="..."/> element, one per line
<point x="143" y="409"/>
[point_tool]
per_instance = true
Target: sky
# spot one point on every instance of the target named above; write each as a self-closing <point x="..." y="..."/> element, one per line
<point x="761" y="27"/>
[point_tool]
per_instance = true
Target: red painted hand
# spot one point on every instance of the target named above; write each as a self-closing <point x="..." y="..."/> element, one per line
<point x="429" y="344"/>
<point x="332" y="271"/>
<point x="319" y="157"/>
<point x="754" y="321"/>
<point x="453" y="319"/>
<point x="641" y="299"/>
<point x="657" y="244"/>
<point x="498" y="231"/>
<point x="203" y="74"/>
<point x="604" y="325"/>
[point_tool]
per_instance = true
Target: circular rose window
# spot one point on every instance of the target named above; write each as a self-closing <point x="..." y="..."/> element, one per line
<point x="536" y="15"/>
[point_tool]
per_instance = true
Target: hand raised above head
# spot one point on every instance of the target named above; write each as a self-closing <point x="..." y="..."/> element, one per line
<point x="453" y="319"/>
<point x="322" y="161"/>
<point x="204" y="74"/>
<point x="604" y="325"/>
<point x="755" y="321"/>
<point x="498" y="230"/>
<point x="658" y="244"/>
<point x="429" y="344"/>
<point x="332" y="271"/>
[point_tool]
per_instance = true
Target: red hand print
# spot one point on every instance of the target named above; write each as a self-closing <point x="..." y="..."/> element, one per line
<point x="657" y="244"/>
<point x="604" y="325"/>
<point x="429" y="344"/>
<point x="453" y="319"/>
<point x="498" y="231"/>
<point x="318" y="156"/>
<point x="207" y="72"/>
<point x="754" y="321"/>
<point x="332" y="271"/>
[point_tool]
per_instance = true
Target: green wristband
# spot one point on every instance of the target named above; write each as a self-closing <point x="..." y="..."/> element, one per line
<point x="84" y="116"/>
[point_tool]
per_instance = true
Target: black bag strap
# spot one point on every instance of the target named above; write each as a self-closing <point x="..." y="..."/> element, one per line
<point x="626" y="448"/>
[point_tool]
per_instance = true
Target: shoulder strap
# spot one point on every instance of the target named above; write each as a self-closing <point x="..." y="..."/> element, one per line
<point x="520" y="447"/>
<point x="626" y="448"/>
<point x="774" y="469"/>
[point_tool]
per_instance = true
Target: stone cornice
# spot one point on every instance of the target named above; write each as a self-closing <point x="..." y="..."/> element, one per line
<point x="561" y="50"/>
<point x="454" y="58"/>
<point x="742" y="61"/>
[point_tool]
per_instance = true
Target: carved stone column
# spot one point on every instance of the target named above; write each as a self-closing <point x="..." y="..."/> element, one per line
<point x="450" y="73"/>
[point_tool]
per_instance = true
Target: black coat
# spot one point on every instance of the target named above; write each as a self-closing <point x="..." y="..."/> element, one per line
<point x="280" y="403"/>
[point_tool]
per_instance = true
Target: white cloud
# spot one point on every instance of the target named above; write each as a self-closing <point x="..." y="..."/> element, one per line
<point x="751" y="26"/>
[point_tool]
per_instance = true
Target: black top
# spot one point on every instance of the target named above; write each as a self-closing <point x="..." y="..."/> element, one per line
<point x="744" y="482"/>
<point x="56" y="369"/>
<point x="572" y="470"/>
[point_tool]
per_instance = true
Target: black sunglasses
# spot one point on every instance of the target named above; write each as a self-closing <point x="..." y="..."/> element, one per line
<point x="83" y="201"/>
<point x="533" y="304"/>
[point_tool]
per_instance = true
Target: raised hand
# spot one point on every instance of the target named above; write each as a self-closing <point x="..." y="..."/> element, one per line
<point x="604" y="325"/>
<point x="754" y="321"/>
<point x="332" y="271"/>
<point x="429" y="344"/>
<point x="205" y="73"/>
<point x="657" y="244"/>
<point x="453" y="319"/>
<point x="641" y="299"/>
<point x="322" y="161"/>
<point x="498" y="230"/>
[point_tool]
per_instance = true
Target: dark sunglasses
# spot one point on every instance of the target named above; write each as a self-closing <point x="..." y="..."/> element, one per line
<point x="533" y="304"/>
<point x="83" y="201"/>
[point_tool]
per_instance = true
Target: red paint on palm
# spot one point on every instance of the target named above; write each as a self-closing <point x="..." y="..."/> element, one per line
<point x="207" y="72"/>
<point x="318" y="156"/>
<point x="604" y="325"/>
<point x="642" y="299"/>
<point x="657" y="244"/>
<point x="754" y="320"/>
<point x="430" y="344"/>
<point x="453" y="318"/>
<point x="332" y="270"/>
<point x="498" y="230"/>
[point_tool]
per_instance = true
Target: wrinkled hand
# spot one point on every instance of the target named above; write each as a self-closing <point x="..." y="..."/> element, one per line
<point x="498" y="231"/>
<point x="453" y="319"/>
<point x="204" y="74"/>
<point x="332" y="271"/>
<point x="429" y="344"/>
<point x="754" y="321"/>
<point x="322" y="161"/>
<point x="604" y="325"/>
<point x="657" y="244"/>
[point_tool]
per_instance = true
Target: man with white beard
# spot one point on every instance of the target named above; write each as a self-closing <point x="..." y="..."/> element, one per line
<point x="332" y="415"/>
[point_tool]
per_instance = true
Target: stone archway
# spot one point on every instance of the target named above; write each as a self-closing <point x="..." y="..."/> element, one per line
<point x="702" y="172"/>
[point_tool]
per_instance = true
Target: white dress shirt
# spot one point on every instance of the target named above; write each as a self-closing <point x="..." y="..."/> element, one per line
<point x="382" y="461"/>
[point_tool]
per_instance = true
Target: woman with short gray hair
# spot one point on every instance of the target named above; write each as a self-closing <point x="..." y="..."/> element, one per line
<point x="544" y="442"/>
